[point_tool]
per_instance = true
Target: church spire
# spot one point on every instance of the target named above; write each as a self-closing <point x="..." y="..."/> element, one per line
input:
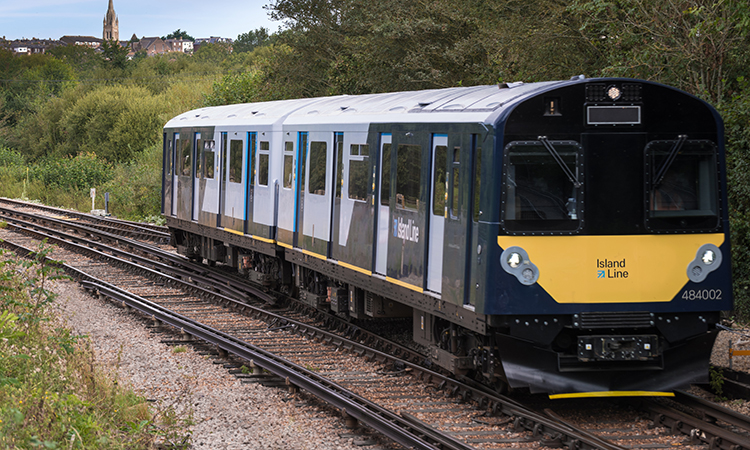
<point x="111" y="24"/>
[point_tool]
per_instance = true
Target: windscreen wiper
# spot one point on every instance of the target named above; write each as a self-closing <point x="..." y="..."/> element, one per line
<point x="551" y="149"/>
<point x="656" y="181"/>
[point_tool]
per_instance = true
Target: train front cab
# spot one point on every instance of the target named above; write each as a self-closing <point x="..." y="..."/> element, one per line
<point x="611" y="264"/>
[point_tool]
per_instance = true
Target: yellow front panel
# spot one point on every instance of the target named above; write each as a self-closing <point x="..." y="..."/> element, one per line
<point x="612" y="269"/>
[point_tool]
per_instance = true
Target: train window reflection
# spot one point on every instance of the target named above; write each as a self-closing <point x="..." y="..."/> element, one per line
<point x="318" y="164"/>
<point x="683" y="185"/>
<point x="263" y="163"/>
<point x="208" y="159"/>
<point x="539" y="192"/>
<point x="359" y="163"/>
<point x="408" y="180"/>
<point x="187" y="165"/>
<point x="235" y="161"/>
<point x="438" y="183"/>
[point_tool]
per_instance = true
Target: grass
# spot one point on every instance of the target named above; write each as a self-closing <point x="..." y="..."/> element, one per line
<point x="134" y="188"/>
<point x="53" y="395"/>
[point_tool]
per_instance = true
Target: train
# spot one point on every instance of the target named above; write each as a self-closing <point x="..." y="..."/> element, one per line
<point x="565" y="237"/>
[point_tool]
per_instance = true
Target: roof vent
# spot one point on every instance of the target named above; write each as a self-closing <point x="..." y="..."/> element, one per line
<point x="423" y="104"/>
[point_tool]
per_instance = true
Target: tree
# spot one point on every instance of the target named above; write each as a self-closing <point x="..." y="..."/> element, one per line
<point x="179" y="34"/>
<point x="247" y="42"/>
<point x="114" y="55"/>
<point x="691" y="44"/>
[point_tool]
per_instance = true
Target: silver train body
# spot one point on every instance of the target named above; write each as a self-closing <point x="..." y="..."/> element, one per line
<point x="519" y="226"/>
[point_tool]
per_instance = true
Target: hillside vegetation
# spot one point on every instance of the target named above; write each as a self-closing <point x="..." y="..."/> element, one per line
<point x="75" y="119"/>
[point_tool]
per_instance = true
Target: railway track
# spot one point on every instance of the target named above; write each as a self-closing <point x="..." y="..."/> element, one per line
<point x="399" y="398"/>
<point x="141" y="231"/>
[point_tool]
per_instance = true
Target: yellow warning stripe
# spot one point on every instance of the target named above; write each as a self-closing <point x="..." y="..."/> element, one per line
<point x="352" y="267"/>
<point x="612" y="394"/>
<point x="266" y="240"/>
<point x="240" y="233"/>
<point x="313" y="254"/>
<point x="406" y="285"/>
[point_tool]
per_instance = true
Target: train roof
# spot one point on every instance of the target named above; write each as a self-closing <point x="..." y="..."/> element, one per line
<point x="457" y="104"/>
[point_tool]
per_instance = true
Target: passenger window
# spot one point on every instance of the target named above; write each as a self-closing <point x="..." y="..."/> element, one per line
<point x="477" y="182"/>
<point x="339" y="137"/>
<point x="235" y="161"/>
<point x="455" y="181"/>
<point x="169" y="157"/>
<point x="208" y="159"/>
<point x="683" y="185"/>
<point x="187" y="163"/>
<point x="438" y="177"/>
<point x="318" y="165"/>
<point x="263" y="164"/>
<point x="542" y="188"/>
<point x="252" y="149"/>
<point x="408" y="176"/>
<point x="288" y="164"/>
<point x="385" y="182"/>
<point x="198" y="155"/>
<point x="358" y="165"/>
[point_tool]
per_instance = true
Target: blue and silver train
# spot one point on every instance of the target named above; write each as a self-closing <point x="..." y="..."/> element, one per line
<point x="569" y="237"/>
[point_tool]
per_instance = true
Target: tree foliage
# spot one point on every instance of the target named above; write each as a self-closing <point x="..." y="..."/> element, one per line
<point x="696" y="45"/>
<point x="179" y="34"/>
<point x="247" y="42"/>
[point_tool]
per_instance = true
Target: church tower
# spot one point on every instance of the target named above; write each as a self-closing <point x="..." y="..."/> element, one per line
<point x="111" y="24"/>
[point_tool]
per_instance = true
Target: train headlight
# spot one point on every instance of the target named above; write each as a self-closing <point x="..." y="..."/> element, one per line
<point x="614" y="93"/>
<point x="514" y="260"/>
<point x="707" y="259"/>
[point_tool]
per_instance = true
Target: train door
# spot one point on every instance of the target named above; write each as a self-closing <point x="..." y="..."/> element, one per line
<point x="209" y="182"/>
<point x="263" y="192"/>
<point x="316" y="192"/>
<point x="166" y="175"/>
<point x="300" y="170"/>
<point x="252" y="150"/>
<point x="337" y="180"/>
<point x="222" y="179"/>
<point x="438" y="213"/>
<point x="185" y="178"/>
<point x="233" y="172"/>
<point x="382" y="202"/>
<point x="173" y="173"/>
<point x="198" y="187"/>
<point x="287" y="194"/>
<point x="457" y="239"/>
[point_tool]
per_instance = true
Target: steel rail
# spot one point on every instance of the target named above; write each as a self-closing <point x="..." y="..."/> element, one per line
<point x="525" y="418"/>
<point x="155" y="232"/>
<point x="711" y="411"/>
<point x="380" y="419"/>
<point x="698" y="429"/>
<point x="181" y="267"/>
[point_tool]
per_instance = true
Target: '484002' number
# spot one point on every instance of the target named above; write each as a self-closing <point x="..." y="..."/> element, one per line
<point x="702" y="294"/>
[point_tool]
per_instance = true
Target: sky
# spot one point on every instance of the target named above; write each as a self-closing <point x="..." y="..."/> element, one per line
<point x="52" y="19"/>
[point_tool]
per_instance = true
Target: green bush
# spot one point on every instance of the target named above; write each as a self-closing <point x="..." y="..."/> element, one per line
<point x="52" y="394"/>
<point x="135" y="189"/>
<point x="80" y="173"/>
<point x="736" y="113"/>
